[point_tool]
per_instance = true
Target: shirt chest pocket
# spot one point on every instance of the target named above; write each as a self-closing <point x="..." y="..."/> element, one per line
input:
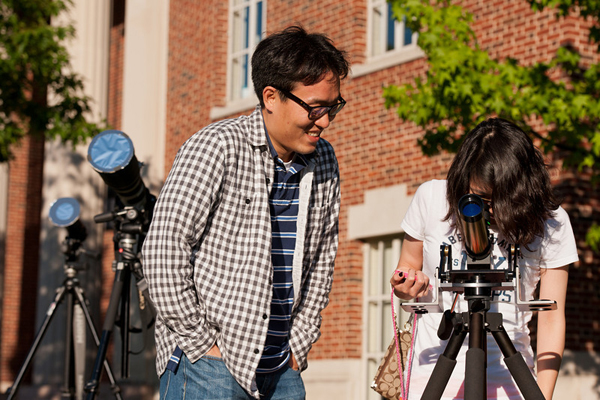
<point x="236" y="212"/>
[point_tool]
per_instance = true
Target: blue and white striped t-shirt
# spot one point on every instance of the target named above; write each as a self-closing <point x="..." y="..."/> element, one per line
<point x="283" y="203"/>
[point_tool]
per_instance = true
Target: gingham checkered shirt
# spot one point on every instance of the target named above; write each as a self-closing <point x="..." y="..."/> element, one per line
<point x="207" y="254"/>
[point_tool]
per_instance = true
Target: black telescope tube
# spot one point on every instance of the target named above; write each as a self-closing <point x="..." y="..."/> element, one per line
<point x="474" y="226"/>
<point x="112" y="155"/>
<point x="64" y="212"/>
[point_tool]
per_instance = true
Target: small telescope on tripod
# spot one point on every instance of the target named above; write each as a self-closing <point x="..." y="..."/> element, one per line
<point x="476" y="283"/>
<point x="112" y="155"/>
<point x="64" y="213"/>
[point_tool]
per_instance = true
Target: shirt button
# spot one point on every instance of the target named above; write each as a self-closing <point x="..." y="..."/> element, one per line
<point x="247" y="201"/>
<point x="256" y="351"/>
<point x="265" y="316"/>
<point x="268" y="180"/>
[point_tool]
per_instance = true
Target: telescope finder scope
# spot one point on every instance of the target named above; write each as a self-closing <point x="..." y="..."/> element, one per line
<point x="474" y="226"/>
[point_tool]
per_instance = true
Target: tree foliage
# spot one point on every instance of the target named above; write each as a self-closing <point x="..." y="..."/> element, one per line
<point x="557" y="101"/>
<point x="39" y="94"/>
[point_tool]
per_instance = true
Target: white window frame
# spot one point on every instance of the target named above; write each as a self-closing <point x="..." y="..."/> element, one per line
<point x="380" y="32"/>
<point x="379" y="262"/>
<point x="378" y="57"/>
<point x="375" y="229"/>
<point x="239" y="46"/>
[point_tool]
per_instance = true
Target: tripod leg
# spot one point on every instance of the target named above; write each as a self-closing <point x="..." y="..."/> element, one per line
<point x="79" y="346"/>
<point x="12" y="391"/>
<point x="125" y="321"/>
<point x="90" y="323"/>
<point x="445" y="365"/>
<point x="475" y="372"/>
<point x="68" y="390"/>
<point x="111" y="315"/>
<point x="475" y="375"/>
<point x="517" y="366"/>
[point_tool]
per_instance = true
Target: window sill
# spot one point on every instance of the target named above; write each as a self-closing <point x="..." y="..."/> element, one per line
<point x="233" y="107"/>
<point x="386" y="61"/>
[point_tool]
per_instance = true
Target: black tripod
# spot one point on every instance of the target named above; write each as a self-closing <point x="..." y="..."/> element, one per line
<point x="72" y="291"/>
<point x="129" y="235"/>
<point x="477" y="284"/>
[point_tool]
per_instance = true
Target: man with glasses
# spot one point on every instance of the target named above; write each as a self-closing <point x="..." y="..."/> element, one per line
<point x="239" y="257"/>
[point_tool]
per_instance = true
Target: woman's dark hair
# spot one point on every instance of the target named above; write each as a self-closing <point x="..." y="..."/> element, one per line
<point x="285" y="58"/>
<point x="497" y="156"/>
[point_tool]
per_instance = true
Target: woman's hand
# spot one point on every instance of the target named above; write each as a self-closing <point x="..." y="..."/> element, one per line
<point x="408" y="279"/>
<point x="409" y="283"/>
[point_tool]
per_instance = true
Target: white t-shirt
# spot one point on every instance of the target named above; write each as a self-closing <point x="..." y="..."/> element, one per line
<point x="424" y="221"/>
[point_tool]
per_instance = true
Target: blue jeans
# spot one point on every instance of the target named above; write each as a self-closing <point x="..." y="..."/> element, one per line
<point x="209" y="379"/>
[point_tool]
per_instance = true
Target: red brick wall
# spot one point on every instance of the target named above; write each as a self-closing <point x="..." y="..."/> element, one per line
<point x="21" y="256"/>
<point x="115" y="71"/>
<point x="197" y="68"/>
<point x="375" y="149"/>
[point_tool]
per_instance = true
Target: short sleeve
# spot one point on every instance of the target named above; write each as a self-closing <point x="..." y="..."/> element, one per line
<point x="415" y="221"/>
<point x="558" y="246"/>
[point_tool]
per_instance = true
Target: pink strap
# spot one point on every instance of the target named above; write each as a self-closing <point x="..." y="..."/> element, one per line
<point x="404" y="388"/>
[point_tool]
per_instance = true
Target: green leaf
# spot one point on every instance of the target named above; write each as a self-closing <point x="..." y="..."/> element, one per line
<point x="464" y="85"/>
<point x="35" y="62"/>
<point x="593" y="237"/>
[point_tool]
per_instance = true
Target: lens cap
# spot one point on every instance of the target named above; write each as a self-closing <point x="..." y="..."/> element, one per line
<point x="64" y="212"/>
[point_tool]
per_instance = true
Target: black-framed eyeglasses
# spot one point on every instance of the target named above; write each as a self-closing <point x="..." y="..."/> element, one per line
<point x="487" y="198"/>
<point x="314" y="113"/>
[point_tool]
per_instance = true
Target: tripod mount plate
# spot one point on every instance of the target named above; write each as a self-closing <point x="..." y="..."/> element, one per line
<point x="436" y="306"/>
<point x="460" y="287"/>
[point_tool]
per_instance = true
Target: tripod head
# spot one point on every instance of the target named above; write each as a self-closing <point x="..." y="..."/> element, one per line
<point x="129" y="219"/>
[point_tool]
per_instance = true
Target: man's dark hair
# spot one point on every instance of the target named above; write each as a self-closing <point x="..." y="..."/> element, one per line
<point x="285" y="58"/>
<point x="498" y="156"/>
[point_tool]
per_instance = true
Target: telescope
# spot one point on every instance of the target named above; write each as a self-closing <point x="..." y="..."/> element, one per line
<point x="477" y="281"/>
<point x="64" y="213"/>
<point x="475" y="227"/>
<point x="112" y="155"/>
